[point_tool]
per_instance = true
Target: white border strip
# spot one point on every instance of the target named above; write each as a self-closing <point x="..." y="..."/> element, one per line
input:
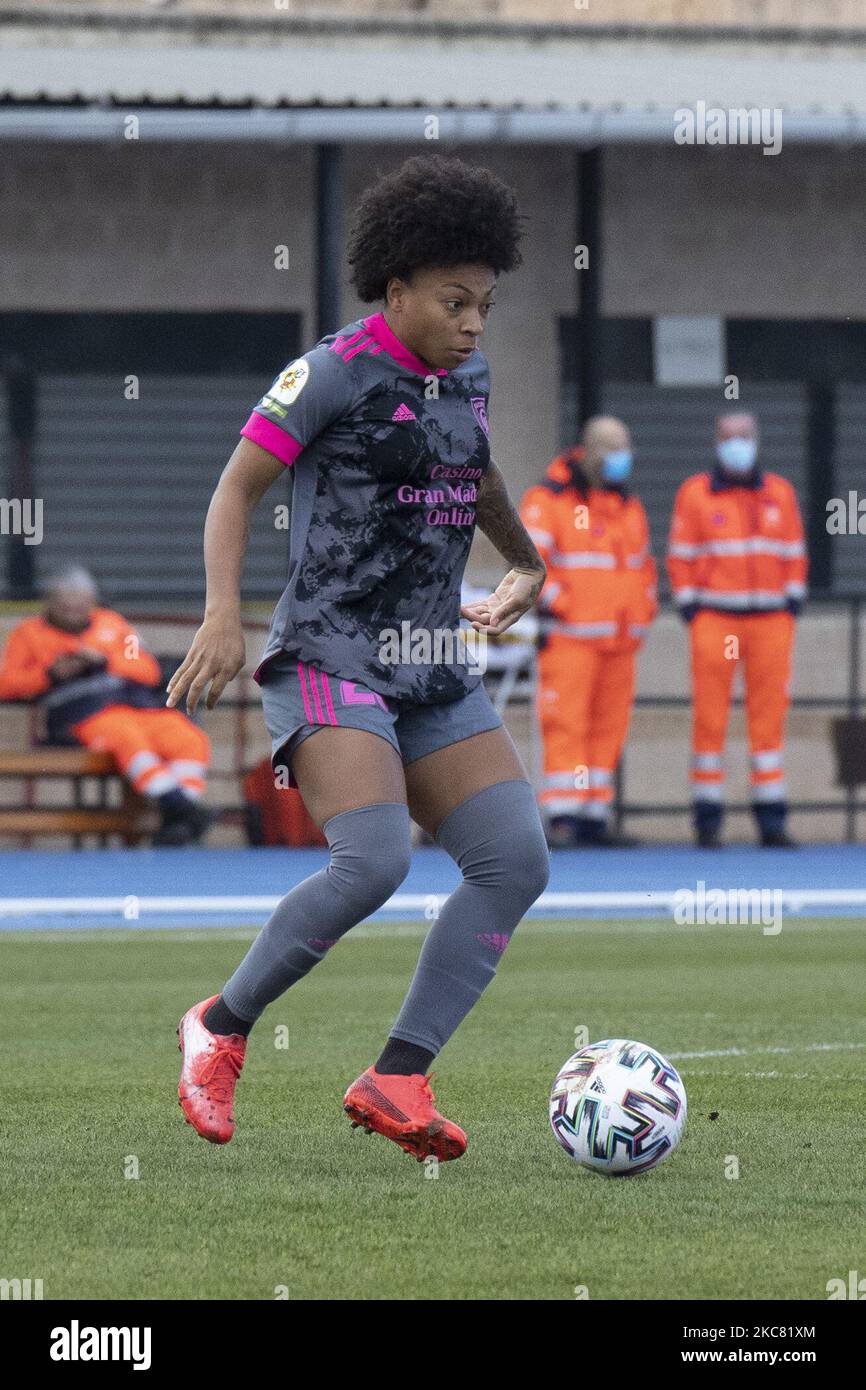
<point x="794" y="899"/>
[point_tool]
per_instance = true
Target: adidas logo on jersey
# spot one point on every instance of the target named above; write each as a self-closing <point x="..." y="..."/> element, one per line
<point x="404" y="413"/>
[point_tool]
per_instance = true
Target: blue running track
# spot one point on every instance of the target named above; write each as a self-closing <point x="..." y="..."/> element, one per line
<point x="210" y="887"/>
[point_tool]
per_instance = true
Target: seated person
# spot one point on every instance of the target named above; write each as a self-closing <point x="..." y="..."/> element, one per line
<point x="96" y="685"/>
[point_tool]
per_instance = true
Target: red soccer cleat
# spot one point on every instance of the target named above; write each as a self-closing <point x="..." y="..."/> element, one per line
<point x="211" y="1066"/>
<point x="402" y="1108"/>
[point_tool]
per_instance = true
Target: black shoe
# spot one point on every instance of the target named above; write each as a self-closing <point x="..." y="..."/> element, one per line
<point x="563" y="832"/>
<point x="199" y="820"/>
<point x="594" y="834"/>
<point x="173" y="835"/>
<point x="183" y="824"/>
<point x="778" y="839"/>
<point x="707" y="837"/>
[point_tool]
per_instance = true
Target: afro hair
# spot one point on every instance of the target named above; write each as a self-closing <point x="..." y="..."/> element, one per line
<point x="432" y="212"/>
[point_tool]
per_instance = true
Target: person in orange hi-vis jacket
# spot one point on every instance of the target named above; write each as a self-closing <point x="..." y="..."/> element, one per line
<point x="96" y="685"/>
<point x="737" y="565"/>
<point x="594" y="610"/>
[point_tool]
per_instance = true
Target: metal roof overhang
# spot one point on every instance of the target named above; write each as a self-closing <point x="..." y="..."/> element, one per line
<point x="383" y="126"/>
<point x="337" y="82"/>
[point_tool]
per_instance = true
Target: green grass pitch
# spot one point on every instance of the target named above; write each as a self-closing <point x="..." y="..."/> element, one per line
<point x="299" y="1205"/>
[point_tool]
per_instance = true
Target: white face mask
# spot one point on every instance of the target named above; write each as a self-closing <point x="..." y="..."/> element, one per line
<point x="737" y="455"/>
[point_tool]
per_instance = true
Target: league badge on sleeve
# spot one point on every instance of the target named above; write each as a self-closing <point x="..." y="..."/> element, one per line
<point x="479" y="405"/>
<point x="289" y="385"/>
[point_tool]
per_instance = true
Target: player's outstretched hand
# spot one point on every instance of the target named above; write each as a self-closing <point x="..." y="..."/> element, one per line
<point x="217" y="654"/>
<point x="509" y="601"/>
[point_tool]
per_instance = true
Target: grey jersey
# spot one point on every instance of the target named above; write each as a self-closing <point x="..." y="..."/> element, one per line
<point x="387" y="457"/>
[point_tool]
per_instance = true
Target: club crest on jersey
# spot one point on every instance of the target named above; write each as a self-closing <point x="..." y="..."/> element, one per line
<point x="291" y="383"/>
<point x="479" y="405"/>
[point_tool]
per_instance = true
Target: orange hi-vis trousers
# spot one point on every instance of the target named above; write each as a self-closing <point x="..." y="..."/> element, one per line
<point x="763" y="642"/>
<point x="157" y="750"/>
<point x="583" y="703"/>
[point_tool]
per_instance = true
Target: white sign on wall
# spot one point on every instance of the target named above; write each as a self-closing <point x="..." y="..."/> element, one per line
<point x="688" y="350"/>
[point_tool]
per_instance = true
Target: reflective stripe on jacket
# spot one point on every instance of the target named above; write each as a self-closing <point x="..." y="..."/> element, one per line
<point x="601" y="576"/>
<point x="738" y="548"/>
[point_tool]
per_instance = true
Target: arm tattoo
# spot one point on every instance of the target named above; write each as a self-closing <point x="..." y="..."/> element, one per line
<point x="495" y="513"/>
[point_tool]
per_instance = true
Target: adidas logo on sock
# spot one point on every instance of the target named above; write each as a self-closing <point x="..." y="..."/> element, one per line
<point x="497" y="941"/>
<point x="404" y="413"/>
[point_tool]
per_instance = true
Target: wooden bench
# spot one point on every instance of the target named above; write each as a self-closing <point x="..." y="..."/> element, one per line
<point x="128" y="820"/>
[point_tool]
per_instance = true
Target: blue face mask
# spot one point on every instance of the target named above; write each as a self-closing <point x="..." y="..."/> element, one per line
<point x="616" y="466"/>
<point x="737" y="455"/>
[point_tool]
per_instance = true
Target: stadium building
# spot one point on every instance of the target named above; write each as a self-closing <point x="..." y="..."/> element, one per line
<point x="175" y="182"/>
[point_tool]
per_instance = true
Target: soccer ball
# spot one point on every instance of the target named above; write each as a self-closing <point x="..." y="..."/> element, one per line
<point x="618" y="1107"/>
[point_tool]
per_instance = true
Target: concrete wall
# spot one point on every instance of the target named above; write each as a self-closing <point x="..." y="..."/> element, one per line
<point x="169" y="227"/>
<point x="731" y="231"/>
<point x="687" y="230"/>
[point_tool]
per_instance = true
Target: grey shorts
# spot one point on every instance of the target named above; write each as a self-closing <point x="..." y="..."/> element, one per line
<point x="299" y="699"/>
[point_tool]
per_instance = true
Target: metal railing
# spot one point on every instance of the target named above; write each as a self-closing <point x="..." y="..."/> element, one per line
<point x="521" y="689"/>
<point x="851" y="703"/>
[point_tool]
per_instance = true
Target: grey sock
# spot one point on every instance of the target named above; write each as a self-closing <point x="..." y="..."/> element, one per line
<point x="370" y="854"/>
<point x="496" y="838"/>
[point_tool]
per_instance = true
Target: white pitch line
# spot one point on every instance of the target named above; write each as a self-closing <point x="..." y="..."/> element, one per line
<point x="766" y="1051"/>
<point x="792" y="897"/>
<point x="134" y="905"/>
<point x="796" y="899"/>
<point x="772" y="1075"/>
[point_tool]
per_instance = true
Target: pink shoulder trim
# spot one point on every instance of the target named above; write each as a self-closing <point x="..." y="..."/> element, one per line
<point x="269" y="436"/>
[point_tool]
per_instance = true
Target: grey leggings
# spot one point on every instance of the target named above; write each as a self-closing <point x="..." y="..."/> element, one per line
<point x="496" y="838"/>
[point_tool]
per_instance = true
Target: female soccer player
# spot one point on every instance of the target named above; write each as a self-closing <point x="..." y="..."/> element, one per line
<point x="371" y="704"/>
